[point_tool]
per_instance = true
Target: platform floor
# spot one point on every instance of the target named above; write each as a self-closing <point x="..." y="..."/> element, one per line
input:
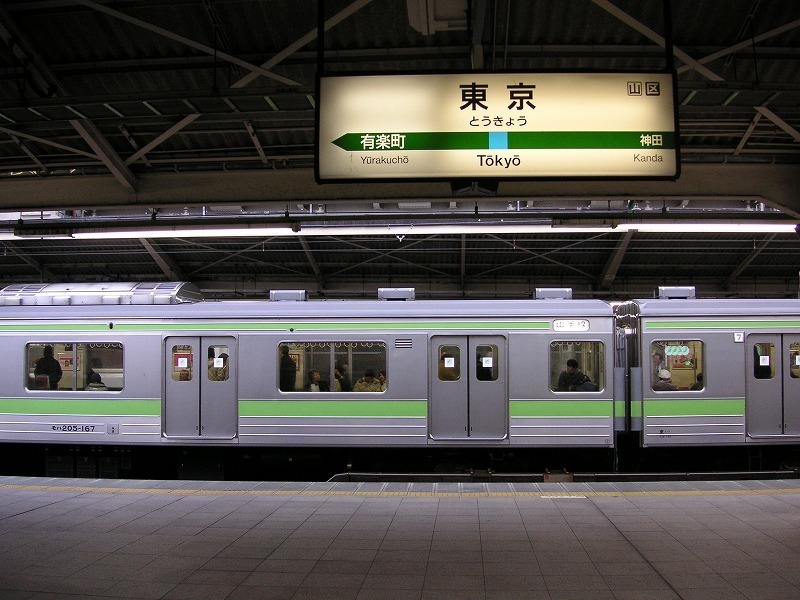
<point x="76" y="539"/>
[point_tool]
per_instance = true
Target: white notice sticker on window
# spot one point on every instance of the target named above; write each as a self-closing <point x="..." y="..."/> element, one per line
<point x="219" y="363"/>
<point x="763" y="361"/>
<point x="183" y="363"/>
<point x="450" y="362"/>
<point x="487" y="362"/>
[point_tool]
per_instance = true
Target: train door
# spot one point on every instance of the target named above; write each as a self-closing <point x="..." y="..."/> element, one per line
<point x="469" y="394"/>
<point x="773" y="385"/>
<point x="200" y="399"/>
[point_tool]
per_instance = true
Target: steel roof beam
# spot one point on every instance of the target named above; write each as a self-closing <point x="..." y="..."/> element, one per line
<point x="44" y="273"/>
<point x="27" y="55"/>
<point x="743" y="44"/>
<point x="256" y="70"/>
<point x="312" y="261"/>
<point x="21" y="145"/>
<point x="614" y="261"/>
<point x="106" y="153"/>
<point x="303" y="41"/>
<point x="757" y="250"/>
<point x="658" y="39"/>
<point x="254" y="136"/>
<point x="161" y="138"/>
<point x="747" y="134"/>
<point x="779" y="122"/>
<point x="168" y="266"/>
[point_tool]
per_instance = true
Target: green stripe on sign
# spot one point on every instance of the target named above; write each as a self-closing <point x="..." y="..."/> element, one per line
<point x="561" y="408"/>
<point x="517" y="140"/>
<point x="99" y="408"/>
<point x="719" y="324"/>
<point x="321" y="408"/>
<point x="733" y="407"/>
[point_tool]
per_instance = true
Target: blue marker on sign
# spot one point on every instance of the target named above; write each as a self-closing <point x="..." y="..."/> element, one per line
<point x="498" y="140"/>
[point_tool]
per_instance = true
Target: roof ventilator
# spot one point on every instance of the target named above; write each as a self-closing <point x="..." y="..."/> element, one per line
<point x="396" y="293"/>
<point x="88" y="293"/>
<point x="676" y="293"/>
<point x="553" y="294"/>
<point x="288" y="295"/>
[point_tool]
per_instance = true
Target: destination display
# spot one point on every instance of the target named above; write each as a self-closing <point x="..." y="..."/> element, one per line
<point x="509" y="125"/>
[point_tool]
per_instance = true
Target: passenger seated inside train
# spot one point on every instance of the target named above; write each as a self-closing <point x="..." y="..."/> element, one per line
<point x="664" y="382"/>
<point x="368" y="383"/>
<point x="95" y="382"/>
<point x="697" y="385"/>
<point x="315" y="384"/>
<point x="218" y="368"/>
<point x="572" y="379"/>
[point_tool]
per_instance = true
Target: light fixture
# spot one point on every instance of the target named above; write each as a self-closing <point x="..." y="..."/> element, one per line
<point x="401" y="228"/>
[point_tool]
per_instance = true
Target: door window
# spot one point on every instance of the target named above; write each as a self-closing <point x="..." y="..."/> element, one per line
<point x="182" y="363"/>
<point x="449" y="363"/>
<point x="486" y="359"/>
<point x="764" y="360"/>
<point x="794" y="359"/>
<point x="577" y="366"/>
<point x="218" y="363"/>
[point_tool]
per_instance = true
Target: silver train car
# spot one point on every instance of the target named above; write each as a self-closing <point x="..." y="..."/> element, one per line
<point x="153" y="364"/>
<point x="173" y="370"/>
<point x="734" y="369"/>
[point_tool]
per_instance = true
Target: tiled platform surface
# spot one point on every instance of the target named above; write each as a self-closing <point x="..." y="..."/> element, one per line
<point x="77" y="539"/>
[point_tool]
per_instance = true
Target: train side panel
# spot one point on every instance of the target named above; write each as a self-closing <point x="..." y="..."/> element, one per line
<point x="734" y="366"/>
<point x="395" y="417"/>
<point x="127" y="416"/>
<point x="543" y="416"/>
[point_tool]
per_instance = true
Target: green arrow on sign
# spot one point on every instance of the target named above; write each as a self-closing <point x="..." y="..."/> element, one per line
<point x="533" y="140"/>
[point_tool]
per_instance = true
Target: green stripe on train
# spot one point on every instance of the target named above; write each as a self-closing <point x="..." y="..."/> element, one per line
<point x="321" y="408"/>
<point x="749" y="324"/>
<point x="104" y="407"/>
<point x="561" y="408"/>
<point x="283" y="326"/>
<point x="733" y="407"/>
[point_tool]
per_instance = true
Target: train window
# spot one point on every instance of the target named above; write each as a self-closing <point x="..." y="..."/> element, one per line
<point x="486" y="357"/>
<point x="577" y="366"/>
<point x="65" y="366"/>
<point x="449" y="363"/>
<point x="218" y="363"/>
<point x="332" y="366"/>
<point x="764" y="360"/>
<point x="677" y="365"/>
<point x="794" y="359"/>
<point x="182" y="363"/>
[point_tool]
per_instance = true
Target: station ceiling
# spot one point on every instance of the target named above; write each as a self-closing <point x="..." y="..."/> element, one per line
<point x="137" y="112"/>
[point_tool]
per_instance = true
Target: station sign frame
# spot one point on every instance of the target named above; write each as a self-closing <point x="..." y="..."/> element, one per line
<point x="533" y="125"/>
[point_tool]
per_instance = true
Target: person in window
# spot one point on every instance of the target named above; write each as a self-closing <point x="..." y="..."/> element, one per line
<point x="658" y="364"/>
<point x="95" y="382"/>
<point x="664" y="382"/>
<point x="341" y="382"/>
<point x="315" y="383"/>
<point x="571" y="377"/>
<point x="47" y="366"/>
<point x="218" y="373"/>
<point x="382" y="380"/>
<point x="368" y="383"/>
<point x="697" y="385"/>
<point x="288" y="371"/>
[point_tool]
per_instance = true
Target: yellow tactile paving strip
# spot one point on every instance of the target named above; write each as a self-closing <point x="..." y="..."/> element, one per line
<point x="487" y="492"/>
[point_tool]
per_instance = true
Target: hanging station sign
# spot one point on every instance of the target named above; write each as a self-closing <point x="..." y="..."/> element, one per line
<point x="496" y="126"/>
